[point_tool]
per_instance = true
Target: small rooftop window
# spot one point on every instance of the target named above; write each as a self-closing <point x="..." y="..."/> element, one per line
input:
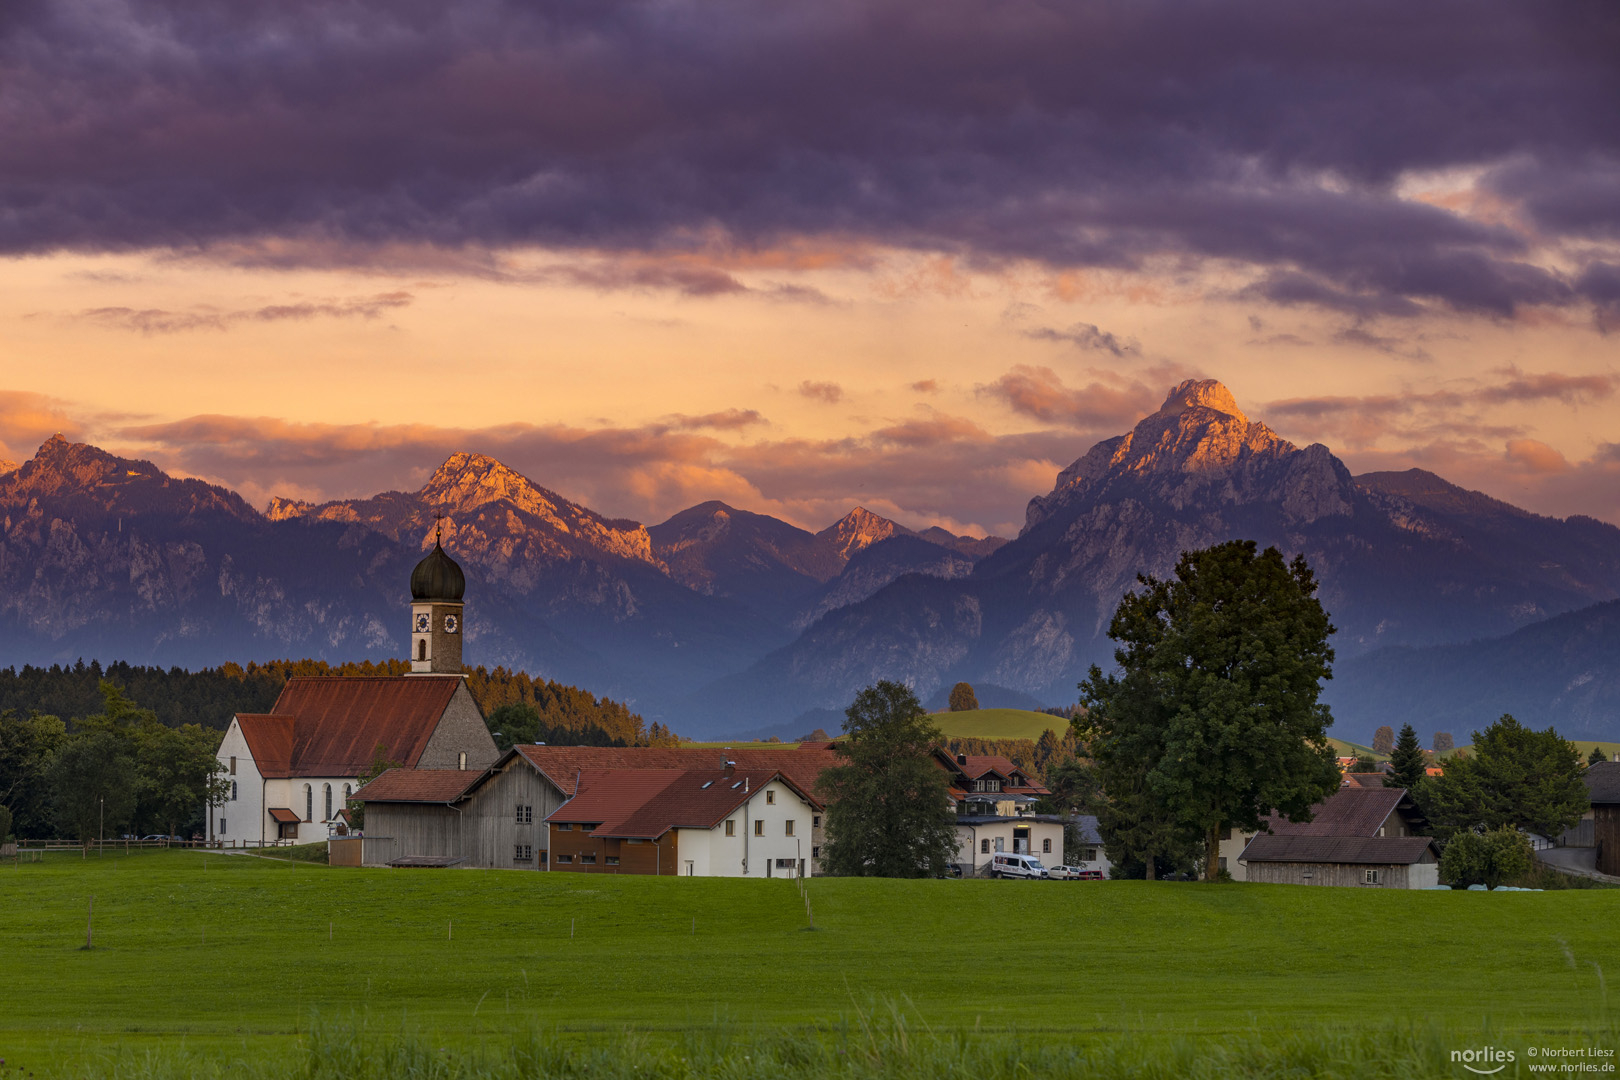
<point x="707" y="784"/>
<point x="737" y="785"/>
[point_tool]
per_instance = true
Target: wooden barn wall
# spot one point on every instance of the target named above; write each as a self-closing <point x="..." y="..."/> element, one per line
<point x="1606" y="835"/>
<point x="1341" y="874"/>
<point x="415" y="828"/>
<point x="490" y="831"/>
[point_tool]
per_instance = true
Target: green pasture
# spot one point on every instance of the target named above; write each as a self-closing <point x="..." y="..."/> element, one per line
<point x="998" y="723"/>
<point x="219" y="954"/>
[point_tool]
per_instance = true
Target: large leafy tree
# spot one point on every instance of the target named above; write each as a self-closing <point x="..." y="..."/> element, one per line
<point x="27" y="745"/>
<point x="1489" y="859"/>
<point x="888" y="803"/>
<point x="178" y="776"/>
<point x="92" y="781"/>
<point x="963" y="699"/>
<point x="1384" y="740"/>
<point x="1216" y="700"/>
<point x="1515" y="777"/>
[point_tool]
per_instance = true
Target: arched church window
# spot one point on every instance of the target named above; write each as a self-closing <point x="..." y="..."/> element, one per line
<point x="328" y="816"/>
<point x="309" y="803"/>
<point x="421" y="649"/>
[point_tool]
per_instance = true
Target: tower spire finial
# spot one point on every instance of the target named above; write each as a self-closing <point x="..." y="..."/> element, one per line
<point x="437" y="518"/>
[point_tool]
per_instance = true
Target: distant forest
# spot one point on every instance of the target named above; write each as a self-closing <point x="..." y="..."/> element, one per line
<point x="211" y="696"/>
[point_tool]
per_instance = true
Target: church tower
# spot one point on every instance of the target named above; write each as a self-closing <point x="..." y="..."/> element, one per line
<point x="437" y="585"/>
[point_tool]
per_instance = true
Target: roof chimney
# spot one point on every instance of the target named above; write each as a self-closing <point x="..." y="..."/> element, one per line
<point x="961" y="759"/>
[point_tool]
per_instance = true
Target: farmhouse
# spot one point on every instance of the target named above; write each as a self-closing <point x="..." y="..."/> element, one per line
<point x="1357" y="836"/>
<point x="291" y="770"/>
<point x="540" y="805"/>
<point x="1600" y="827"/>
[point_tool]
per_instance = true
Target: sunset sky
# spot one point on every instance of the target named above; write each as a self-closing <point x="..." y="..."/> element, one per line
<point x="916" y="256"/>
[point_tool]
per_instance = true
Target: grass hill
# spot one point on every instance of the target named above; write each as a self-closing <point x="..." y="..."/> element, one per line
<point x="465" y="958"/>
<point x="999" y="723"/>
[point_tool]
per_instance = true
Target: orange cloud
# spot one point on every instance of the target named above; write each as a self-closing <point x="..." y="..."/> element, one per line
<point x="1536" y="456"/>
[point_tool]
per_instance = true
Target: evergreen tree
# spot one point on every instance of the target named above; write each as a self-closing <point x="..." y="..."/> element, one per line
<point x="1216" y="703"/>
<point x="889" y="812"/>
<point x="1514" y="778"/>
<point x="1596" y="755"/>
<point x="963" y="699"/>
<point x="1408" y="766"/>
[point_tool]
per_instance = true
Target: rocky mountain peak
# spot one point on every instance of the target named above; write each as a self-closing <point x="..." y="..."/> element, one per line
<point x="1200" y="394"/>
<point x="92" y="481"/>
<point x="1198" y="440"/>
<point x="858" y="529"/>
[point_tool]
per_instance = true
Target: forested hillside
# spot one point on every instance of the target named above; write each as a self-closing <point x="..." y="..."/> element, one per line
<point x="210" y="696"/>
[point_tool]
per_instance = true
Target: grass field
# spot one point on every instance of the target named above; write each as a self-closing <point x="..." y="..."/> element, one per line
<point x="233" y="955"/>
<point x="999" y="723"/>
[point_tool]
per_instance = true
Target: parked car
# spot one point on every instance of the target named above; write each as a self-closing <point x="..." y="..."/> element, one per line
<point x="1017" y="866"/>
<point x="1065" y="873"/>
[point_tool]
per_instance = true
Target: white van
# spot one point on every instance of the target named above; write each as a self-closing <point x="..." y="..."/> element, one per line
<point x="1020" y="866"/>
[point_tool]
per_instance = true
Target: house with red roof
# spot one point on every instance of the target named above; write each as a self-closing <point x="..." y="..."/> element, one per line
<point x="292" y="770"/>
<point x="995" y="812"/>
<point x="658" y="810"/>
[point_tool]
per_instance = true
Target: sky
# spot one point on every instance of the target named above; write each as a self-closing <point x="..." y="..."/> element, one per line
<point x="916" y="257"/>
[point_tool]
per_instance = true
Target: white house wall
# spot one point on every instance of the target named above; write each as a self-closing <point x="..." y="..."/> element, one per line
<point x="1042" y="834"/>
<point x="711" y="853"/>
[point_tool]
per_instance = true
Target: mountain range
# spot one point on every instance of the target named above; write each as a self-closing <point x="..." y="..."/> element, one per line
<point x="720" y="619"/>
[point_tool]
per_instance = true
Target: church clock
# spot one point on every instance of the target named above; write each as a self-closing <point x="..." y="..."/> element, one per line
<point x="451" y="624"/>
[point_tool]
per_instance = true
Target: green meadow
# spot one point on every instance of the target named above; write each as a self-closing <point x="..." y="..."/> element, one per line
<point x="998" y="723"/>
<point x="203" y="959"/>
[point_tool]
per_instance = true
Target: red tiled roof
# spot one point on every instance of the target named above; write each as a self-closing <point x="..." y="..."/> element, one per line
<point x="283" y="815"/>
<point x="332" y="726"/>
<point x="968" y="768"/>
<point x="1365" y="779"/>
<point x="1350" y="811"/>
<point x="1380" y="850"/>
<point x="561" y="763"/>
<point x="647" y="803"/>
<point x="418" y="786"/>
<point x="270" y="741"/>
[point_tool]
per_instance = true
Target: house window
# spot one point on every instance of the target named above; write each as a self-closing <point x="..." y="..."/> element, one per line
<point x="565" y="858"/>
<point x="789" y="828"/>
<point x="1001" y="843"/>
<point x="566" y="827"/>
<point x="1372" y="877"/>
<point x="1222" y="861"/>
<point x="815" y="852"/>
<point x="461" y="760"/>
<point x="309" y="803"/>
<point x="522" y="852"/>
<point x="525" y="814"/>
<point x="984" y="846"/>
<point x="759" y="828"/>
<point x="1091" y="854"/>
<point x="233" y="791"/>
<point x="1046" y="846"/>
<point x="222" y="828"/>
<point x="347" y="791"/>
<point x="233" y="765"/>
<point x="786" y="864"/>
<point x="770" y="798"/>
<point x="815" y="822"/>
<point x="328" y="797"/>
<point x="588" y="860"/>
<point x="611" y="860"/>
<point x="731" y="828"/>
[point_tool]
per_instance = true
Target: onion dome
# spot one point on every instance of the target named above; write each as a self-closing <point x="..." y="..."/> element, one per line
<point x="437" y="577"/>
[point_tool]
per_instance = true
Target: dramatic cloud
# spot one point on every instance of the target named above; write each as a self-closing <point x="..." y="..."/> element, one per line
<point x="1038" y="392"/>
<point x="829" y="393"/>
<point x="1278" y="138"/>
<point x="1086" y="336"/>
<point x="1359" y="422"/>
<point x="158" y="321"/>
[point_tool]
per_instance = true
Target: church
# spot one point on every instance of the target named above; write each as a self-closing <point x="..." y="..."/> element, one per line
<point x="290" y="771"/>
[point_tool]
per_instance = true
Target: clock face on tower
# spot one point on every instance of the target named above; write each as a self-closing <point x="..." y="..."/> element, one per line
<point x="423" y="623"/>
<point x="451" y="624"/>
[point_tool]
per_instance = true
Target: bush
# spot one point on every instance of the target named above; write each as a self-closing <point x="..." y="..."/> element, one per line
<point x="1493" y="858"/>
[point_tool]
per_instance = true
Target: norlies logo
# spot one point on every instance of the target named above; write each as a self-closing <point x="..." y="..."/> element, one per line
<point x="1481" y="1061"/>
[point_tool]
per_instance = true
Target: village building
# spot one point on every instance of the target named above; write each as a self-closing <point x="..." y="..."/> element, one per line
<point x="994" y="801"/>
<point x="292" y="770"/>
<point x="1358" y="836"/>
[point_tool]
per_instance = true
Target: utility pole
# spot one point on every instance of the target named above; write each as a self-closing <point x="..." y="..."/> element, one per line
<point x="101" y="829"/>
